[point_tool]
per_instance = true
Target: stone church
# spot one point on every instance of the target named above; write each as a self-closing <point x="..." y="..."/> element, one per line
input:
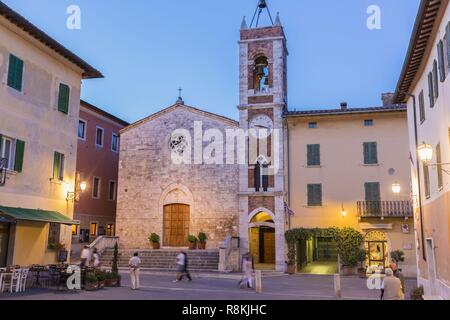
<point x="205" y="191"/>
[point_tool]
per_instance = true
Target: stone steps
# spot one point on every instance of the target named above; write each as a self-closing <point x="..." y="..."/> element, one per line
<point x="165" y="260"/>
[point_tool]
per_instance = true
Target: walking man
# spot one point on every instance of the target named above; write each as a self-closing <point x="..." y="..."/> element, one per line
<point x="134" y="264"/>
<point x="85" y="257"/>
<point x="182" y="262"/>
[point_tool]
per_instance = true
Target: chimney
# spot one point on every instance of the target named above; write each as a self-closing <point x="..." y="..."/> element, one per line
<point x="344" y="105"/>
<point x="387" y="98"/>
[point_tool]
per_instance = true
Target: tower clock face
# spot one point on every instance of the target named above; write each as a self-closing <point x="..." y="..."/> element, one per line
<point x="263" y="126"/>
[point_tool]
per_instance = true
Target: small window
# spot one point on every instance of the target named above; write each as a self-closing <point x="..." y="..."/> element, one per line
<point x="82" y="129"/>
<point x="110" y="230"/>
<point x="313" y="154"/>
<point x="54" y="230"/>
<point x="422" y="107"/>
<point x="435" y="80"/>
<point x="112" y="190"/>
<point x="74" y="230"/>
<point x="7" y="151"/>
<point x="99" y="137"/>
<point x="368" y="123"/>
<point x="426" y="180"/>
<point x="15" y="73"/>
<point x="93" y="229"/>
<point x="96" y="188"/>
<point x="312" y="125"/>
<point x="314" y="195"/>
<point x="58" y="166"/>
<point x="431" y="89"/>
<point x="63" y="98"/>
<point x="442" y="68"/>
<point x="115" y="142"/>
<point x="370" y="153"/>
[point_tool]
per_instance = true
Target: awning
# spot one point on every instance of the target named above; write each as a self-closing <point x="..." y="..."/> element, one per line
<point x="36" y="215"/>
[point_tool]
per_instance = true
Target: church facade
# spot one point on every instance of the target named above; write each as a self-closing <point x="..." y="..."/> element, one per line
<point x="183" y="170"/>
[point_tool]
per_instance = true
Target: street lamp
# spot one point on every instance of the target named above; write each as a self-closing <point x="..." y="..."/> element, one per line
<point x="396" y="188"/>
<point x="343" y="211"/>
<point x="75" y="196"/>
<point x="425" y="153"/>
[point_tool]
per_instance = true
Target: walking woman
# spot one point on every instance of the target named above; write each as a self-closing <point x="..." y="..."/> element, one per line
<point x="247" y="268"/>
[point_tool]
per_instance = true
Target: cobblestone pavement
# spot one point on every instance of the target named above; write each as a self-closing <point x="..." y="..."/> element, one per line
<point x="214" y="287"/>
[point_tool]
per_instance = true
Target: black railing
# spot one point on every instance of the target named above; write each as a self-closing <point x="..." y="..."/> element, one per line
<point x="389" y="209"/>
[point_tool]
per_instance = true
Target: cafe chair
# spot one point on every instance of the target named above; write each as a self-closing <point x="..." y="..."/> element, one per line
<point x="13" y="281"/>
<point x="23" y="280"/>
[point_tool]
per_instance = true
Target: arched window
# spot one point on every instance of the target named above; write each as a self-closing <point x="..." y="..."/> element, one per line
<point x="261" y="75"/>
<point x="261" y="177"/>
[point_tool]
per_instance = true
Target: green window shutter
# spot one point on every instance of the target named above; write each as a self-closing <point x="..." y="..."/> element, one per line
<point x="314" y="195"/>
<point x="1" y="145"/>
<point x="440" y="49"/>
<point x="422" y="107"/>
<point x="372" y="191"/>
<point x="430" y="89"/>
<point x="63" y="98"/>
<point x="447" y="44"/>
<point x="15" y="72"/>
<point x="435" y="80"/>
<point x="313" y="155"/>
<point x="56" y="165"/>
<point x="370" y="153"/>
<point x="20" y="152"/>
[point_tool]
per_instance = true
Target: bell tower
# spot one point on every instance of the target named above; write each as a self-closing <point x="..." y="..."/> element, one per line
<point x="262" y="101"/>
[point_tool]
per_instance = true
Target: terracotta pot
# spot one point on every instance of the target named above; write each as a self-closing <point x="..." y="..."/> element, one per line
<point x="348" y="270"/>
<point x="202" y="245"/>
<point x="291" y="269"/>
<point x="108" y="283"/>
<point x="192" y="245"/>
<point x="114" y="283"/>
<point x="156" y="245"/>
<point x="91" y="286"/>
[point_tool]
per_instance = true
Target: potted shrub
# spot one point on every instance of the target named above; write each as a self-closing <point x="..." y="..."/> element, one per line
<point x="202" y="241"/>
<point x="291" y="267"/>
<point x="417" y="293"/>
<point x="101" y="277"/>
<point x="192" y="242"/>
<point x="114" y="266"/>
<point x="115" y="279"/>
<point x="349" y="242"/>
<point x="155" y="240"/>
<point x="91" y="282"/>
<point x="108" y="279"/>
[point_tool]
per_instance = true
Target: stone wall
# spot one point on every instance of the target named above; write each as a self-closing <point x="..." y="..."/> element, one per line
<point x="148" y="180"/>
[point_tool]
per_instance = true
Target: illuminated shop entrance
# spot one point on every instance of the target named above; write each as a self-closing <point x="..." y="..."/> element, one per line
<point x="262" y="240"/>
<point x="376" y="245"/>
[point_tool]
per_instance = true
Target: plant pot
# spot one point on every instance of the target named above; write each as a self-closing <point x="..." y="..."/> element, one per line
<point x="108" y="283"/>
<point x="362" y="273"/>
<point x="192" y="245"/>
<point x="202" y="245"/>
<point x="101" y="284"/>
<point x="156" y="245"/>
<point x="348" y="270"/>
<point x="91" y="286"/>
<point x="114" y="283"/>
<point x="291" y="269"/>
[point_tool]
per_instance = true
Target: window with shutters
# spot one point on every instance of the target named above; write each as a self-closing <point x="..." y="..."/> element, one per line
<point x="372" y="191"/>
<point x="112" y="190"/>
<point x="447" y="48"/>
<point x="96" y="184"/>
<point x="439" y="167"/>
<point x="115" y="142"/>
<point x="314" y="195"/>
<point x="13" y="150"/>
<point x="370" y="153"/>
<point x="63" y="98"/>
<point x="435" y="80"/>
<point x="99" y="136"/>
<point x="313" y="155"/>
<point x="58" y="166"/>
<point x="426" y="181"/>
<point x="430" y="89"/>
<point x="422" y="107"/>
<point x="82" y="125"/>
<point x="15" y="73"/>
<point x="441" y="59"/>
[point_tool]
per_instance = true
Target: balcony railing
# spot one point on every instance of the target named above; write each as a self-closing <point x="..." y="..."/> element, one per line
<point x="385" y="209"/>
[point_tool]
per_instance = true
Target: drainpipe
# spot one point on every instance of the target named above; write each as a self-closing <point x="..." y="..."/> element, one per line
<point x="416" y="136"/>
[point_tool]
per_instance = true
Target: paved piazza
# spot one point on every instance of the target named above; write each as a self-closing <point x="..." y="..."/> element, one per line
<point x="207" y="287"/>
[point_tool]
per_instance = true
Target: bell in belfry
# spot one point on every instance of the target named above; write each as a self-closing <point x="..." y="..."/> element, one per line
<point x="262" y="4"/>
<point x="260" y="70"/>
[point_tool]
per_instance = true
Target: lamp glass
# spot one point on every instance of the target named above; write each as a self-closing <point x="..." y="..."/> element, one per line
<point x="425" y="152"/>
<point x="396" y="188"/>
<point x="83" y="186"/>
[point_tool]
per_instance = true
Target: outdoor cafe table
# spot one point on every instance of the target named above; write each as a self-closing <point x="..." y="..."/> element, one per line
<point x="37" y="270"/>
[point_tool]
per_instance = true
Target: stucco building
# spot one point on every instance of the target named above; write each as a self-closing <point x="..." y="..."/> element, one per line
<point x="97" y="167"/>
<point x="425" y="86"/>
<point x="40" y="84"/>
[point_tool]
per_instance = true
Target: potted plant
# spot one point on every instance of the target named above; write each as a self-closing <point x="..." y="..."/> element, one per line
<point x="108" y="279"/>
<point x="192" y="242"/>
<point x="362" y="272"/>
<point x="291" y="267"/>
<point x="349" y="242"/>
<point x="101" y="277"/>
<point x="114" y="267"/>
<point x="91" y="282"/>
<point x="417" y="293"/>
<point x="115" y="279"/>
<point x="398" y="256"/>
<point x="155" y="240"/>
<point x="202" y="241"/>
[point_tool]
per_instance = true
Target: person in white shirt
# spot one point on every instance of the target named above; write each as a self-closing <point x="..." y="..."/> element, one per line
<point x="182" y="263"/>
<point x="96" y="257"/>
<point x="85" y="257"/>
<point x="134" y="264"/>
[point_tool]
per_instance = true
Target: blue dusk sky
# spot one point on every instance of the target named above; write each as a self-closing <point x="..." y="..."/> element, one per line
<point x="147" y="49"/>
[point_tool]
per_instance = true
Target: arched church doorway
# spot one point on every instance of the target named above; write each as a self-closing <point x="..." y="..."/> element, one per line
<point x="376" y="245"/>
<point x="262" y="239"/>
<point x="176" y="225"/>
